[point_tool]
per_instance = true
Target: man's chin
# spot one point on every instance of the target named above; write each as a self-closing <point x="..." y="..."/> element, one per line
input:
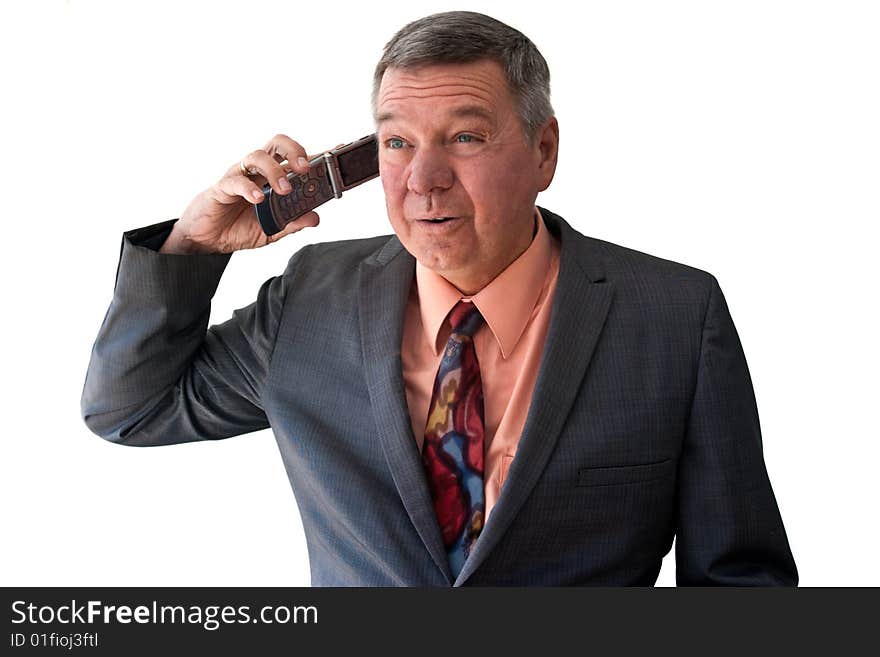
<point x="442" y="266"/>
<point x="439" y="255"/>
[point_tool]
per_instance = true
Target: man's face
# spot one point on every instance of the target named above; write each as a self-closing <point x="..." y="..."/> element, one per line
<point x="452" y="145"/>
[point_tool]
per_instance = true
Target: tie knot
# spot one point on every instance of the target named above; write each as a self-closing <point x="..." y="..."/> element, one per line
<point x="465" y="318"/>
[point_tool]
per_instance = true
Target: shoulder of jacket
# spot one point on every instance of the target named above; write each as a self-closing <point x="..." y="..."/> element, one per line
<point x="338" y="254"/>
<point x="646" y="274"/>
<point x="628" y="261"/>
<point x="624" y="266"/>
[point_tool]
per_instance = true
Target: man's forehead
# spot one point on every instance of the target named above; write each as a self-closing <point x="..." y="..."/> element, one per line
<point x="472" y="90"/>
<point x="398" y="112"/>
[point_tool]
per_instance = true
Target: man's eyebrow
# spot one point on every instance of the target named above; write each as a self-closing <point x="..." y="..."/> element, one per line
<point x="465" y="111"/>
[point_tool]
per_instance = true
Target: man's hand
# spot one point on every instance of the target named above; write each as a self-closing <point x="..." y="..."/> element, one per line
<point x="222" y="219"/>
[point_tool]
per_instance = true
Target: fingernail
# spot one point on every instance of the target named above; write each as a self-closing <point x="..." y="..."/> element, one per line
<point x="284" y="184"/>
<point x="256" y="195"/>
<point x="302" y="161"/>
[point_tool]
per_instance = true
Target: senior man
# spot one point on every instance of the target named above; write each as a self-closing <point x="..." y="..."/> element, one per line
<point x="486" y="397"/>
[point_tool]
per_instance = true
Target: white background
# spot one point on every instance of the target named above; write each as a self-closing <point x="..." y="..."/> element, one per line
<point x="738" y="137"/>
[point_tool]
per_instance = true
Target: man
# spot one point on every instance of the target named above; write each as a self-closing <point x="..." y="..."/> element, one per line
<point x="487" y="397"/>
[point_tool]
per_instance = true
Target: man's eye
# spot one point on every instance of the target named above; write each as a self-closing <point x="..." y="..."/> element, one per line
<point x="468" y="139"/>
<point x="395" y="143"/>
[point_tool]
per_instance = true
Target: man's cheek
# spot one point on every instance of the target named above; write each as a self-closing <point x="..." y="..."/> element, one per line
<point x="391" y="176"/>
<point x="483" y="188"/>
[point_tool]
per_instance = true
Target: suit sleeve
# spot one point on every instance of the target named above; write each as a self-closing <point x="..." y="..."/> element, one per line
<point x="157" y="375"/>
<point x="730" y="531"/>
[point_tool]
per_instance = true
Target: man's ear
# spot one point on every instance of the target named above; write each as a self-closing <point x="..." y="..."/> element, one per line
<point x="548" y="149"/>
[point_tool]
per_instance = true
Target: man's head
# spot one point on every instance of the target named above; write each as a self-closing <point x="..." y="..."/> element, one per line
<point x="466" y="130"/>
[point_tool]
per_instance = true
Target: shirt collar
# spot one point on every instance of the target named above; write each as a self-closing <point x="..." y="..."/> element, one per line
<point x="506" y="302"/>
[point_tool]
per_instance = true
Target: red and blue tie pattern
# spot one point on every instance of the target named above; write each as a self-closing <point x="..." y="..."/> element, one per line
<point x="452" y="452"/>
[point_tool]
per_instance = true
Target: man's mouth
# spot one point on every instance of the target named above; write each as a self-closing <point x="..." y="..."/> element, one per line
<point x="437" y="220"/>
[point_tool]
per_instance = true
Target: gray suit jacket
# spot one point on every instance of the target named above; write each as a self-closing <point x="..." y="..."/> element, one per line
<point x="643" y="424"/>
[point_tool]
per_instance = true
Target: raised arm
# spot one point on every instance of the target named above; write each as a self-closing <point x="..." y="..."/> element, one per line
<point x="157" y="374"/>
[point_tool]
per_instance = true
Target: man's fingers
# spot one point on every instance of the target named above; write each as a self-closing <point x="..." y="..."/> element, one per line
<point x="273" y="163"/>
<point x="265" y="164"/>
<point x="239" y="186"/>
<point x="290" y="150"/>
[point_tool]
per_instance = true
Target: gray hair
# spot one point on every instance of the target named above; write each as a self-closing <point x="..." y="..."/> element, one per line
<point x="463" y="37"/>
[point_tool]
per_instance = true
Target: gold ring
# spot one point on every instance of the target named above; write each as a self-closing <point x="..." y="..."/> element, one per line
<point x="244" y="170"/>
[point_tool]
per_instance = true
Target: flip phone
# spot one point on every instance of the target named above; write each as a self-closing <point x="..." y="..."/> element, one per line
<point x="329" y="175"/>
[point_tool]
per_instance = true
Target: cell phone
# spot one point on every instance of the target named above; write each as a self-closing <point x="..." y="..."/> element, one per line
<point x="329" y="175"/>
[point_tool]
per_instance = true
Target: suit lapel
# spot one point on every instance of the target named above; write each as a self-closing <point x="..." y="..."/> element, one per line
<point x="580" y="306"/>
<point x="385" y="282"/>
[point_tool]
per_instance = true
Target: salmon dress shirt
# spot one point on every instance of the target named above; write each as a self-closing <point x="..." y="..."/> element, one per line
<point x="516" y="305"/>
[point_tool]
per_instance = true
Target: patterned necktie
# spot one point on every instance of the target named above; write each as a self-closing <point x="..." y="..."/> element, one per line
<point x="452" y="452"/>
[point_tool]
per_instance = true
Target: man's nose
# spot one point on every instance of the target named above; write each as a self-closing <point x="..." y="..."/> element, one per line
<point x="429" y="171"/>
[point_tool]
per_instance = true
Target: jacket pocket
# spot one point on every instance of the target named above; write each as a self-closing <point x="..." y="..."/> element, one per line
<point x="625" y="474"/>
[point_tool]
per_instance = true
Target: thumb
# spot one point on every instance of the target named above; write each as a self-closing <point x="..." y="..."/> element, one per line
<point x="309" y="219"/>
